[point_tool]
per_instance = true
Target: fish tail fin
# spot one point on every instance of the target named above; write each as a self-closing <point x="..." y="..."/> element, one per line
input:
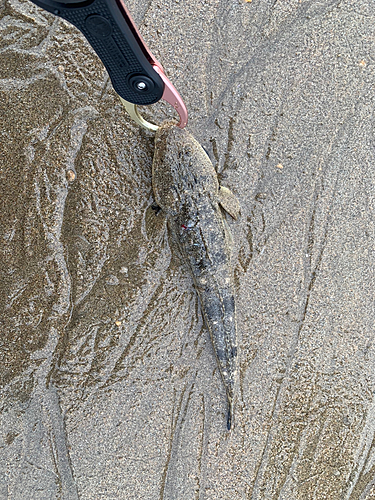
<point x="230" y="415"/>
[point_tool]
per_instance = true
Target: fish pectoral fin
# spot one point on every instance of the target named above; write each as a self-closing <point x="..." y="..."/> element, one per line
<point x="229" y="202"/>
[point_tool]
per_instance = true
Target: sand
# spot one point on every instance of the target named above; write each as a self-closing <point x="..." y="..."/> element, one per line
<point x="110" y="388"/>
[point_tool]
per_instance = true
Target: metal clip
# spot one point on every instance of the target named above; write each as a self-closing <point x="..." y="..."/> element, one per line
<point x="134" y="114"/>
<point x="170" y="95"/>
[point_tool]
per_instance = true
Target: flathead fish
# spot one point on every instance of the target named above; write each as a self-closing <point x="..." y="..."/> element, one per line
<point x="186" y="188"/>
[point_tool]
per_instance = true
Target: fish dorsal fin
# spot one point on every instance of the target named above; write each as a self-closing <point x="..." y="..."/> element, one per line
<point x="229" y="202"/>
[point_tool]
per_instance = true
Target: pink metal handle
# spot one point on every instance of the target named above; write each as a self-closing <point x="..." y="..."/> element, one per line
<point x="171" y="96"/>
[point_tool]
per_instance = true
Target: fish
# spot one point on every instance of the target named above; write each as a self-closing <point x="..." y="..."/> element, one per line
<point x="187" y="190"/>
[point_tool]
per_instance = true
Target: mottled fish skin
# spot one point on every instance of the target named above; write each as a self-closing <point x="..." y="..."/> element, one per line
<point x="186" y="188"/>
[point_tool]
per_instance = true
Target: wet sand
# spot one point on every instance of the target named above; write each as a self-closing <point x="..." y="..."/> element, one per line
<point x="109" y="384"/>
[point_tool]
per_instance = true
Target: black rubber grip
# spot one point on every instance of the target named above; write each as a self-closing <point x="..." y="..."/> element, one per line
<point x="104" y="24"/>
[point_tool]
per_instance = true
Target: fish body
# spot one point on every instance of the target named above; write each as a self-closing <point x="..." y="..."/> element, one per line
<point x="186" y="188"/>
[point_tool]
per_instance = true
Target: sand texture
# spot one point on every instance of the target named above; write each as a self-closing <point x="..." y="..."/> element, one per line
<point x="109" y="384"/>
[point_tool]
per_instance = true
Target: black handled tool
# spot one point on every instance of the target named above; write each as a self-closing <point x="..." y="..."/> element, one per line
<point x="135" y="74"/>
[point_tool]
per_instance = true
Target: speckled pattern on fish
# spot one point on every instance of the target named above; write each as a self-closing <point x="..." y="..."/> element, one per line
<point x="186" y="188"/>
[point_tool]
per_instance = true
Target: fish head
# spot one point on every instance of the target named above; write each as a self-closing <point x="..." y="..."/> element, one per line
<point x="182" y="171"/>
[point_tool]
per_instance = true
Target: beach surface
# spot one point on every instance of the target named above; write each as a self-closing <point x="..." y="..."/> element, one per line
<point x="109" y="384"/>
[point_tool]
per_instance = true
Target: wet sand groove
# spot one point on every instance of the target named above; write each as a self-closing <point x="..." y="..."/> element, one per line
<point x="109" y="382"/>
